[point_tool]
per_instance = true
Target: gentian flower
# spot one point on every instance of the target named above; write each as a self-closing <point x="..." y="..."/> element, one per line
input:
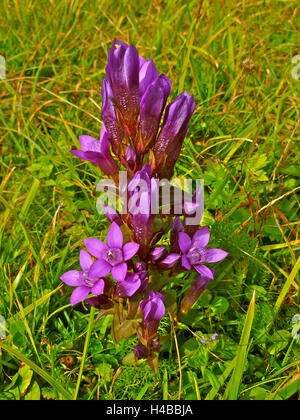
<point x="170" y="139"/>
<point x="147" y="74"/>
<point x="195" y="252"/>
<point x="112" y="215"/>
<point x="152" y="105"/>
<point x="109" y="116"/>
<point x="131" y="158"/>
<point x="169" y="261"/>
<point x="198" y="286"/>
<point x="140" y="351"/>
<point x="153" y="310"/>
<point x="85" y="281"/>
<point x="113" y="256"/>
<point x="174" y="236"/>
<point x="157" y="253"/>
<point x="193" y="210"/>
<point x="122" y="72"/>
<point x="98" y="152"/>
<point x="133" y="283"/>
<point x="143" y="192"/>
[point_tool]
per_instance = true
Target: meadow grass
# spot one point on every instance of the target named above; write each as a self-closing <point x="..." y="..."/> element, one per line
<point x="236" y="58"/>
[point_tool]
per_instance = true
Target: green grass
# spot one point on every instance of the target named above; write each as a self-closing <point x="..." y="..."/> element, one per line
<point x="236" y="58"/>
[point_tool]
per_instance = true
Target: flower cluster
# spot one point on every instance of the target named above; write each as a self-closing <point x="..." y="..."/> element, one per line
<point x="127" y="275"/>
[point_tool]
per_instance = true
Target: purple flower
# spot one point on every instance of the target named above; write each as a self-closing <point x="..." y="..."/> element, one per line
<point x="133" y="283"/>
<point x="153" y="308"/>
<point x="198" y="286"/>
<point x="147" y="74"/>
<point x="193" y="210"/>
<point x="143" y="192"/>
<point x="112" y="215"/>
<point x="176" y="228"/>
<point x="140" y="351"/>
<point x="213" y="338"/>
<point x="85" y="281"/>
<point x="157" y="253"/>
<point x="170" y="139"/>
<point x="123" y="74"/>
<point x="152" y="105"/>
<point x="195" y="252"/>
<point x="109" y="116"/>
<point x="169" y="261"/>
<point x="98" y="152"/>
<point x="131" y="158"/>
<point x="113" y="256"/>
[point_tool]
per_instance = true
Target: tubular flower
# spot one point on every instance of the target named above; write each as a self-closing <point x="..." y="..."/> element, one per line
<point x="153" y="103"/>
<point x="195" y="252"/>
<point x="143" y="192"/>
<point x="170" y="139"/>
<point x="109" y="116"/>
<point x="85" y="281"/>
<point x="198" y="286"/>
<point x="153" y="310"/>
<point x="98" y="152"/>
<point x="122" y="72"/>
<point x="113" y="256"/>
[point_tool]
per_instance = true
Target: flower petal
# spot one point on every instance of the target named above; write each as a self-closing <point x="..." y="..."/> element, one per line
<point x="169" y="261"/>
<point x="100" y="268"/>
<point x="185" y="262"/>
<point x="185" y="242"/>
<point x="85" y="260"/>
<point x="89" y="144"/>
<point x="114" y="237"/>
<point x="95" y="247"/>
<point x="213" y="255"/>
<point x="201" y="237"/>
<point x="129" y="286"/>
<point x="119" y="271"/>
<point x="98" y="289"/>
<point x="129" y="250"/>
<point x="72" y="278"/>
<point x="204" y="271"/>
<point x="79" y="294"/>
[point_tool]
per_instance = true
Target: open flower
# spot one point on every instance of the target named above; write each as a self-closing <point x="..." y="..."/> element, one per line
<point x="98" y="152"/>
<point x="195" y="252"/>
<point x="85" y="281"/>
<point x="113" y="256"/>
<point x="133" y="283"/>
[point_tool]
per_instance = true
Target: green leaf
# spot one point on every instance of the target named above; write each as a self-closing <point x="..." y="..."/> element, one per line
<point x="220" y="304"/>
<point x="57" y="386"/>
<point x="280" y="340"/>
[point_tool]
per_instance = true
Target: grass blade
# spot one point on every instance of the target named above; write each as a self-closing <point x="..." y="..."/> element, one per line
<point x="85" y="349"/>
<point x="232" y="390"/>
<point x="51" y="381"/>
